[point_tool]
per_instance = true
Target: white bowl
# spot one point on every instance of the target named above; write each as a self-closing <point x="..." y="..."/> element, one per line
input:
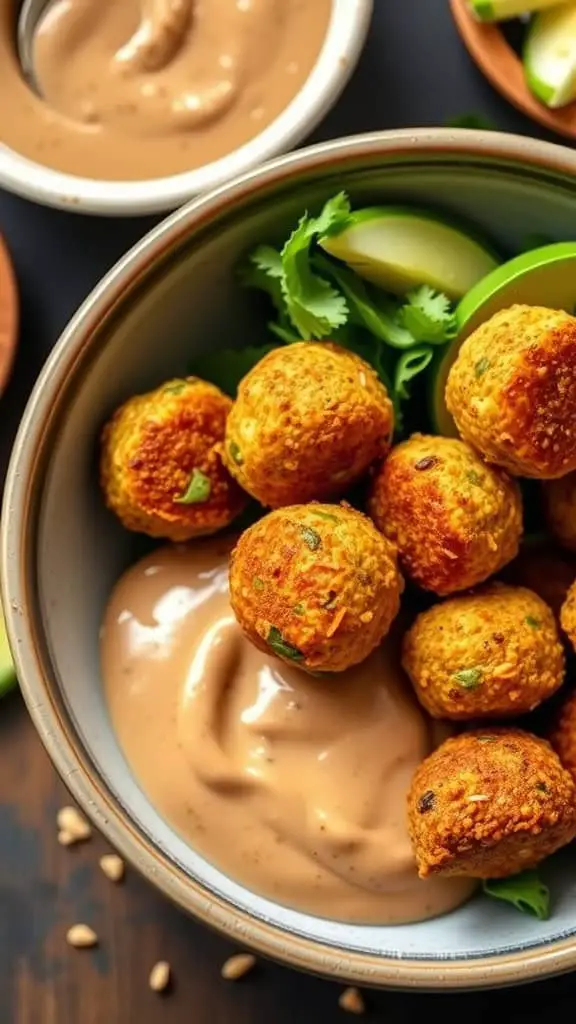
<point x="345" y="38"/>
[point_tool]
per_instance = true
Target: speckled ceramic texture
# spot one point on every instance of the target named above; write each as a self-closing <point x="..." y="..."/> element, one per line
<point x="175" y="294"/>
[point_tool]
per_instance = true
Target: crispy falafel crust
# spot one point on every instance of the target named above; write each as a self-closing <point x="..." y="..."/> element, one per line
<point x="512" y="391"/>
<point x="308" y="421"/>
<point x="496" y="652"/>
<point x="488" y="804"/>
<point x="454" y="520"/>
<point x="316" y="584"/>
<point x="568" y="615"/>
<point x="563" y="734"/>
<point x="149" y="451"/>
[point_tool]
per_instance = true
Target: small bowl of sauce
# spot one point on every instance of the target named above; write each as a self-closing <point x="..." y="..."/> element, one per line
<point x="141" y="105"/>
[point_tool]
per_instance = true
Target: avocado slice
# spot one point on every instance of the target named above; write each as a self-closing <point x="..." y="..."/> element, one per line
<point x="399" y="248"/>
<point x="543" y="277"/>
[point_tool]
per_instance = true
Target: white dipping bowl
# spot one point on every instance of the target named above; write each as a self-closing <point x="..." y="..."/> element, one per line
<point x="345" y="38"/>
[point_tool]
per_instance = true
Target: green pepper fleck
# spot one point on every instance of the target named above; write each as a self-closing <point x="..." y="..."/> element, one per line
<point x="298" y="609"/>
<point x="531" y="621"/>
<point x="235" y="453"/>
<point x="281" y="647"/>
<point x="175" y="387"/>
<point x="481" y="366"/>
<point x="311" y="538"/>
<point x="257" y="583"/>
<point x="468" y="678"/>
<point x="474" y="478"/>
<point x="325" y="515"/>
<point x="198" y="489"/>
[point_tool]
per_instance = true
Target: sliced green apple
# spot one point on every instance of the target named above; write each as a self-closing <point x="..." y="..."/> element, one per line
<point x="7" y="674"/>
<point x="399" y="248"/>
<point x="504" y="10"/>
<point x="550" y="56"/>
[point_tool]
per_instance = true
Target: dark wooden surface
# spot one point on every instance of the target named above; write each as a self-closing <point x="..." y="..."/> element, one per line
<point x="413" y="72"/>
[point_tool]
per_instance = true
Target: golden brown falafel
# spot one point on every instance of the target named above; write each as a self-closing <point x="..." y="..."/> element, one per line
<point x="490" y="803"/>
<point x="308" y="421"/>
<point x="563" y="734"/>
<point x="161" y="468"/>
<point x="512" y="391"/>
<point x="315" y="584"/>
<point x="560" y="507"/>
<point x="493" y="653"/>
<point x="544" y="568"/>
<point x="568" y="615"/>
<point x="454" y="520"/>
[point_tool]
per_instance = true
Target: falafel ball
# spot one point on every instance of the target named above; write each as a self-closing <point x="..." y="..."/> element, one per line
<point x="489" y="654"/>
<point x="560" y="507"/>
<point x="161" y="467"/>
<point x="512" y="391"/>
<point x="316" y="585"/>
<point x="563" y="733"/>
<point x="308" y="421"/>
<point x="454" y="520"/>
<point x="488" y="804"/>
<point x="545" y="569"/>
<point x="568" y="615"/>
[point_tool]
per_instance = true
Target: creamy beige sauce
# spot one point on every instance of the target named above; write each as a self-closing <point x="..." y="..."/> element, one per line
<point x="146" y="88"/>
<point x="292" y="785"/>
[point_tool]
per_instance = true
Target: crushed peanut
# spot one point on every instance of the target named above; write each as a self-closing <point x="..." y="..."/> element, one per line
<point x="160" y="976"/>
<point x="237" y="966"/>
<point x="81" y="936"/>
<point x="351" y="1000"/>
<point x="73" y="825"/>
<point x="112" y="866"/>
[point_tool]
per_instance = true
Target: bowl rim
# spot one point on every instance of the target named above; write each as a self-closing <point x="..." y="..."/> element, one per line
<point x="18" y="561"/>
<point x="343" y="44"/>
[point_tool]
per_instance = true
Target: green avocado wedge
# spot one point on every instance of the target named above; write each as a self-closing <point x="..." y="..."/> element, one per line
<point x="503" y="10"/>
<point x="542" y="277"/>
<point x="7" y="673"/>
<point x="399" y="248"/>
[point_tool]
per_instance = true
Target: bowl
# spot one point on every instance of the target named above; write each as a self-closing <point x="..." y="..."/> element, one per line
<point x="345" y="38"/>
<point x="497" y="60"/>
<point x="175" y="293"/>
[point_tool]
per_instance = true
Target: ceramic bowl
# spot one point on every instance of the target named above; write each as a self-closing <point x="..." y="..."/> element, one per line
<point x="176" y="293"/>
<point x="345" y="38"/>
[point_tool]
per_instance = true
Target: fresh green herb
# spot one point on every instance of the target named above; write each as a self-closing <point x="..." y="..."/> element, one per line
<point x="481" y="366"/>
<point x="486" y="739"/>
<point x="198" y="489"/>
<point x="281" y="647"/>
<point x="531" y="621"/>
<point x="541" y="787"/>
<point x="226" y="368"/>
<point x="472" y="120"/>
<point x="311" y="538"/>
<point x="428" y="316"/>
<point x="257" y="583"/>
<point x="525" y="891"/>
<point x="409" y="365"/>
<point x="314" y="306"/>
<point x="298" y="609"/>
<point x="474" y="478"/>
<point x="468" y="678"/>
<point x="325" y="515"/>
<point x="235" y="453"/>
<point x="263" y="270"/>
<point x="175" y="387"/>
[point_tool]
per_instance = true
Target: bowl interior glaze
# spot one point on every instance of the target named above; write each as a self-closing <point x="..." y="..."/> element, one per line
<point x="174" y="295"/>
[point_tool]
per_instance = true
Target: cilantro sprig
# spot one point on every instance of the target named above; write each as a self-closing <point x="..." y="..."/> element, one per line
<point x="313" y="296"/>
<point x="526" y="891"/>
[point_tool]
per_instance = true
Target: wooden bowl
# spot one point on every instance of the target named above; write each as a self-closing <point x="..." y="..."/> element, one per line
<point x="489" y="48"/>
<point x="9" y="315"/>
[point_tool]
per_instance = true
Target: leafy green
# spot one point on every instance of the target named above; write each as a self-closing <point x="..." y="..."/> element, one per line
<point x="428" y="316"/>
<point x="198" y="489"/>
<point x="472" y="120"/>
<point x="468" y="678"/>
<point x="263" y="270"/>
<point x="281" y="647"/>
<point x="525" y="891"/>
<point x="227" y="368"/>
<point x="533" y="622"/>
<point x="363" y="308"/>
<point x="409" y="365"/>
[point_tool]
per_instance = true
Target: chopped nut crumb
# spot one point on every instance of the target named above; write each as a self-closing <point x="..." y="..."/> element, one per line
<point x="113" y="866"/>
<point x="351" y="1000"/>
<point x="160" y="976"/>
<point x="237" y="966"/>
<point x="81" y="936"/>
<point x="71" y="822"/>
